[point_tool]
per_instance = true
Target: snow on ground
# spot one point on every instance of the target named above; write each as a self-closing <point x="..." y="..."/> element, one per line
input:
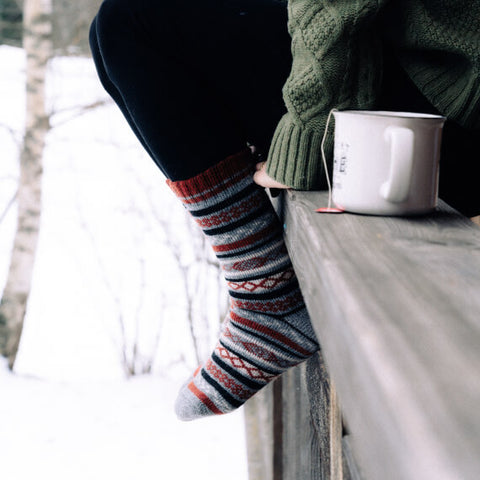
<point x="110" y="430"/>
<point x="68" y="412"/>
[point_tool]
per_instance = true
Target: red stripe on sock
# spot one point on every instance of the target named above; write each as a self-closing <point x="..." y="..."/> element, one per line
<point x="232" y="214"/>
<point x="269" y="331"/>
<point x="214" y="180"/>
<point x="283" y="305"/>
<point x="245" y="242"/>
<point x="202" y="190"/>
<point x="204" y="399"/>
<point x="227" y="381"/>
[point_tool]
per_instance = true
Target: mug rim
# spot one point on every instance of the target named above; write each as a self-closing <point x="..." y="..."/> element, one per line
<point x="392" y="114"/>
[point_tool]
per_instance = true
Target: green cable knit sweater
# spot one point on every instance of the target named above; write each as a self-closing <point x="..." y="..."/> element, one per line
<point x="337" y="63"/>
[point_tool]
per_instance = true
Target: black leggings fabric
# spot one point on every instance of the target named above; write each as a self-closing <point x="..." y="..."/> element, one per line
<point x="196" y="80"/>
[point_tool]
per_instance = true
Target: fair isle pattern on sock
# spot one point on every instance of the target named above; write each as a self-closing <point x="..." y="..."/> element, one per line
<point x="267" y="329"/>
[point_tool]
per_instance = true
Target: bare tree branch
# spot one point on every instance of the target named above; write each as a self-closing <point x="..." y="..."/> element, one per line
<point x="8" y="206"/>
<point x="76" y="111"/>
<point x="16" y="136"/>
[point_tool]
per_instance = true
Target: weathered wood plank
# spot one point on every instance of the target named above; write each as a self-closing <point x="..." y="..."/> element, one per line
<point x="396" y="306"/>
<point x="294" y="428"/>
<point x="312" y="426"/>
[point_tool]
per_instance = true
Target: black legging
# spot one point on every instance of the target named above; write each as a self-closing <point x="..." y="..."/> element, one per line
<point x="198" y="79"/>
<point x="195" y="79"/>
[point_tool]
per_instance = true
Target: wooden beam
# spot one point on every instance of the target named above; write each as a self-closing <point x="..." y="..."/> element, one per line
<point x="396" y="305"/>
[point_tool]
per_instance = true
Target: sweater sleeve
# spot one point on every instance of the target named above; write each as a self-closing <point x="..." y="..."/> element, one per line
<point x="336" y="64"/>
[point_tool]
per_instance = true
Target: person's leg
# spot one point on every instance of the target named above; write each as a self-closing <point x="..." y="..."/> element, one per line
<point x="195" y="92"/>
<point x="195" y="80"/>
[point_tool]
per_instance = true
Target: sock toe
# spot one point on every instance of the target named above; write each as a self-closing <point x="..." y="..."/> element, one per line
<point x="189" y="405"/>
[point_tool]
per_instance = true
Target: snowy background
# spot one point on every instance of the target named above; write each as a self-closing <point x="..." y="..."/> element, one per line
<point x="102" y="266"/>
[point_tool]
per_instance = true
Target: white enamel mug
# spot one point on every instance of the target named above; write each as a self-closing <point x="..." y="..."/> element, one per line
<point x="386" y="163"/>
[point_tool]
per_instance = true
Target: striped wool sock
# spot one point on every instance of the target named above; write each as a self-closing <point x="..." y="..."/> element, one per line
<point x="267" y="329"/>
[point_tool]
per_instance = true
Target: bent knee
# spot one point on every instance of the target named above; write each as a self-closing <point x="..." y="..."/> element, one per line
<point x="113" y="14"/>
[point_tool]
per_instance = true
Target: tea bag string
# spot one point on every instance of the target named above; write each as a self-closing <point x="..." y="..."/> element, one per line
<point x="324" y="160"/>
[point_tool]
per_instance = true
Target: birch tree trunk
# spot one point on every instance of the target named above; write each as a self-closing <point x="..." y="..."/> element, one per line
<point x="38" y="48"/>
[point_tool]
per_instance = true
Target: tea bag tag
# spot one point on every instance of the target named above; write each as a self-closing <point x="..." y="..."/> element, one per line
<point x="329" y="208"/>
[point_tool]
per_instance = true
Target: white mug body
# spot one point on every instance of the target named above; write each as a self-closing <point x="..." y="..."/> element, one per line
<point x="386" y="163"/>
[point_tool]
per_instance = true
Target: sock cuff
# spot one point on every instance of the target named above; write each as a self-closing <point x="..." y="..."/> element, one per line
<point x="214" y="180"/>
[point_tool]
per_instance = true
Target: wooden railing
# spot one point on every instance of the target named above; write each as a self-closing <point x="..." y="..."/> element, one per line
<point x="395" y="303"/>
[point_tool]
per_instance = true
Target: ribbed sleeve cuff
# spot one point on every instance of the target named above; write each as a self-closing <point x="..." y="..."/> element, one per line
<point x="295" y="157"/>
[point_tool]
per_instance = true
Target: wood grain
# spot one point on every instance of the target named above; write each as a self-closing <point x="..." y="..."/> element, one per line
<point x="396" y="305"/>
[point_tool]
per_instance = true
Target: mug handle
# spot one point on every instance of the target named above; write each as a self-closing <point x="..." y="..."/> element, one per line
<point x="397" y="187"/>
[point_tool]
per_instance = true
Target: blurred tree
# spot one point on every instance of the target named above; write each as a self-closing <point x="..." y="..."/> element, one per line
<point x="200" y="291"/>
<point x="38" y="46"/>
<point x="70" y="23"/>
<point x="10" y="23"/>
